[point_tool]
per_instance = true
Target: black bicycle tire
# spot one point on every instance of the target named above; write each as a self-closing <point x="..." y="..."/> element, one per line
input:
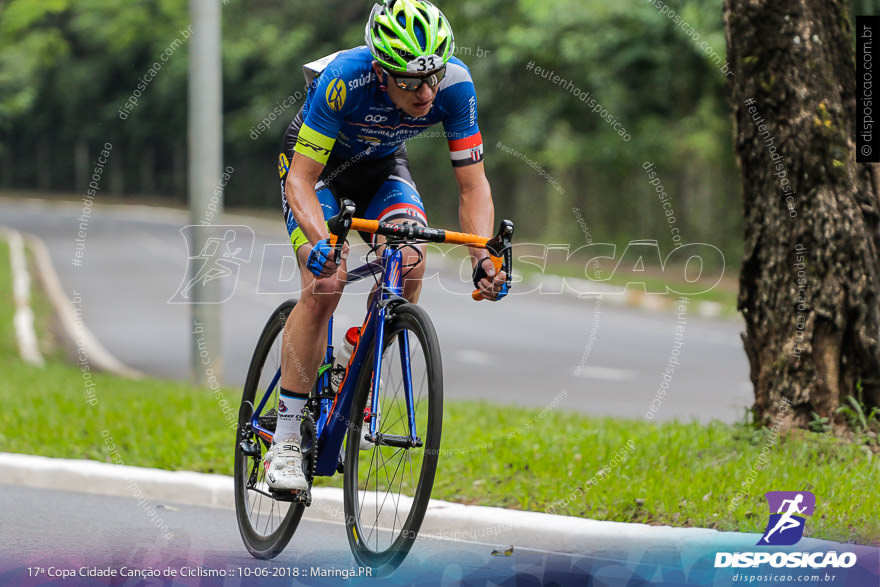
<point x="386" y="561"/>
<point x="272" y="545"/>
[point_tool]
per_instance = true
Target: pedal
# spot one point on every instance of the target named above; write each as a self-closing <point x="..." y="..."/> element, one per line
<point x="295" y="496"/>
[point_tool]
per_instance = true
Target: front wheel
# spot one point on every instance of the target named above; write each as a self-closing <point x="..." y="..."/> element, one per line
<point x="266" y="524"/>
<point x="388" y="485"/>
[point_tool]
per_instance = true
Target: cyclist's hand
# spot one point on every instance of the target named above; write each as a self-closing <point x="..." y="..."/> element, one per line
<point x="320" y="261"/>
<point x="493" y="286"/>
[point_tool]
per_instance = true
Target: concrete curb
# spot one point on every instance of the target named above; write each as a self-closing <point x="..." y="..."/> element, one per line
<point x="522" y="529"/>
<point x="76" y="334"/>
<point x="23" y="319"/>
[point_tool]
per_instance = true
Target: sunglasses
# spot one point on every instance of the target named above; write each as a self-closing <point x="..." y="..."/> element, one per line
<point x="412" y="83"/>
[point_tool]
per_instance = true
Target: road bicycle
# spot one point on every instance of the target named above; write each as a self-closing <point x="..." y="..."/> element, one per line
<point x="390" y="424"/>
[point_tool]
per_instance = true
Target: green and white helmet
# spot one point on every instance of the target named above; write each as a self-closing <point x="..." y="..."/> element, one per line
<point x="409" y="36"/>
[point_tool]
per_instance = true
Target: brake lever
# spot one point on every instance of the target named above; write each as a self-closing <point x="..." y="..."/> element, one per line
<point x="500" y="253"/>
<point x="339" y="227"/>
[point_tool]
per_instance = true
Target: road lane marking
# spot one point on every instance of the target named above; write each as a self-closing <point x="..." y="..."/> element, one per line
<point x="605" y="373"/>
<point x="473" y="357"/>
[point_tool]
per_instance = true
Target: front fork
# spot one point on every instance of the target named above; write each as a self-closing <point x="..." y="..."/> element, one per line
<point x="390" y="293"/>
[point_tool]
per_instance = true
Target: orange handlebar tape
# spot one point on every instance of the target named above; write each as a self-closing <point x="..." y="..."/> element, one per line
<point x="363" y="225"/>
<point x="496" y="262"/>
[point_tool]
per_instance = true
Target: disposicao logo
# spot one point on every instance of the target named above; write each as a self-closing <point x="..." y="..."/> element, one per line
<point x="785" y="527"/>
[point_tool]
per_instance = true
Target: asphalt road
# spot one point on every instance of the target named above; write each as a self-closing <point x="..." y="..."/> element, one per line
<point x="534" y="350"/>
<point x="47" y="534"/>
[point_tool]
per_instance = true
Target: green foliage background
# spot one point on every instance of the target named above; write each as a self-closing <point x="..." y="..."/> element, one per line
<point x="66" y="68"/>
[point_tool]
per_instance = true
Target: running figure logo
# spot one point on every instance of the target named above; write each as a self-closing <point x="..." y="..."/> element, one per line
<point x="225" y="249"/>
<point x="786" y="525"/>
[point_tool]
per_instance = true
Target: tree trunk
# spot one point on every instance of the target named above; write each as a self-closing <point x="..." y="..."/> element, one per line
<point x="7" y="178"/>
<point x="809" y="280"/>
<point x="44" y="171"/>
<point x="82" y="166"/>
<point x="148" y="170"/>
<point x="115" y="175"/>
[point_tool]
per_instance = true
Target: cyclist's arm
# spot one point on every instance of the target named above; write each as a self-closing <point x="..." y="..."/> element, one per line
<point x="458" y="97"/>
<point x="327" y="108"/>
<point x="314" y="143"/>
<point x="476" y="211"/>
<point x="302" y="199"/>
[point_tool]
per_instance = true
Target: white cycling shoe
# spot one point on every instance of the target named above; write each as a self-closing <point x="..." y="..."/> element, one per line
<point x="283" y="463"/>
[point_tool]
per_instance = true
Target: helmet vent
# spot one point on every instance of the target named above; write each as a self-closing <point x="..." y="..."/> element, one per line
<point x="386" y="30"/>
<point x="421" y="37"/>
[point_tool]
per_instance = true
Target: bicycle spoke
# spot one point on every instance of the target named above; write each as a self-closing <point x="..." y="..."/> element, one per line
<point x="391" y="481"/>
<point x="367" y="481"/>
<point x="387" y="493"/>
<point x="398" y="477"/>
<point x="266" y="524"/>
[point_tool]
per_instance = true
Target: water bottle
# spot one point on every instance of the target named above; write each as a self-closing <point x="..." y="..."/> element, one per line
<point x="344" y="354"/>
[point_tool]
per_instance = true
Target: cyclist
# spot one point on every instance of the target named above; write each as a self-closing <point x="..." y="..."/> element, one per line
<point x="347" y="141"/>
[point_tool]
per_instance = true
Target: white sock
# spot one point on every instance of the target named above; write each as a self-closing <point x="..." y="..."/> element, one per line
<point x="290" y="405"/>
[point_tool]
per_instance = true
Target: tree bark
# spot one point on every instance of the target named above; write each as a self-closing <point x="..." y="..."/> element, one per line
<point x="7" y="178"/>
<point x="82" y="166"/>
<point x="115" y="177"/>
<point x="809" y="280"/>
<point x="148" y="170"/>
<point x="44" y="171"/>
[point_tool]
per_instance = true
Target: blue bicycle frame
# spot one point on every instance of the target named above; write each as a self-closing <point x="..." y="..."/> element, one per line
<point x="335" y="416"/>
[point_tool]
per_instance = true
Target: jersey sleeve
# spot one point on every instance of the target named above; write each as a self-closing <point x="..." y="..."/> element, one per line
<point x="326" y="113"/>
<point x="462" y="132"/>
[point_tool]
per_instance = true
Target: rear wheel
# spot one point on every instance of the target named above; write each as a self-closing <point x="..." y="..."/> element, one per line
<point x="266" y="524"/>
<point x="388" y="485"/>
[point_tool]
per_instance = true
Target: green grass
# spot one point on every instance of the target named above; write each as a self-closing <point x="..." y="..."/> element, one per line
<point x="155" y="423"/>
<point x="682" y="474"/>
<point x="541" y="460"/>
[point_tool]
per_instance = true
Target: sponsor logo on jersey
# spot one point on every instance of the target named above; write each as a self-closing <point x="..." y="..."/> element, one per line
<point x="361" y="81"/>
<point x="375" y="118"/>
<point x="283" y="164"/>
<point x="336" y="94"/>
<point x="301" y="142"/>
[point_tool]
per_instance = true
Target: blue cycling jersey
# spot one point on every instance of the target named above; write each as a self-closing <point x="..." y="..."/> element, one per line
<point x="348" y="113"/>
